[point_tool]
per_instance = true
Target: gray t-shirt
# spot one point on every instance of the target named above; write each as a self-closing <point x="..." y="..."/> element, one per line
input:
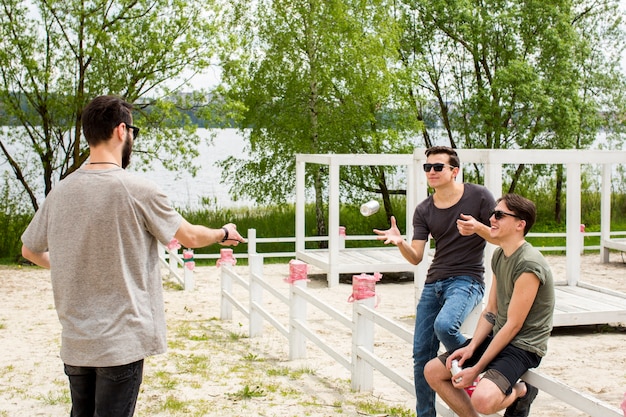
<point x="455" y="254"/>
<point x="101" y="228"/>
<point x="535" y="332"/>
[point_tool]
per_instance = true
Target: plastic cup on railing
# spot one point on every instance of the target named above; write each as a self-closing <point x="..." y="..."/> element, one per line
<point x="226" y="257"/>
<point x="188" y="259"/>
<point x="298" y="270"/>
<point x="364" y="286"/>
<point x="173" y="245"/>
<point x="624" y="405"/>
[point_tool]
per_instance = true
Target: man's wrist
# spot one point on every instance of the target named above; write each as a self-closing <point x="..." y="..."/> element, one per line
<point x="225" y="234"/>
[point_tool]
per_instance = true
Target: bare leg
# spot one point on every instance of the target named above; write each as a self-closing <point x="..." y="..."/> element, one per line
<point x="439" y="379"/>
<point x="489" y="399"/>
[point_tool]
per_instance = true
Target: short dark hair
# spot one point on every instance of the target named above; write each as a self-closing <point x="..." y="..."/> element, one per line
<point x="102" y="115"/>
<point x="522" y="207"/>
<point x="453" y="157"/>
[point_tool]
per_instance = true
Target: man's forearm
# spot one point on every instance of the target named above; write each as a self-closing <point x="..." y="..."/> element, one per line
<point x="409" y="253"/>
<point x="38" y="258"/>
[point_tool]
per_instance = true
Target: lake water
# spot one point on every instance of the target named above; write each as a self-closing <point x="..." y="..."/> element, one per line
<point x="186" y="191"/>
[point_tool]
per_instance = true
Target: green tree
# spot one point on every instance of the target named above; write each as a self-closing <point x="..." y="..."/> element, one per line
<point x="523" y="74"/>
<point x="56" y="55"/>
<point x="315" y="76"/>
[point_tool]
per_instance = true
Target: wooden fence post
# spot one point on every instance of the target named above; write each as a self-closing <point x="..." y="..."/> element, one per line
<point x="362" y="337"/>
<point x="173" y="263"/>
<point x="256" y="294"/>
<point x="226" y="286"/>
<point x="297" y="314"/>
<point x="251" y="241"/>
<point x="188" y="266"/>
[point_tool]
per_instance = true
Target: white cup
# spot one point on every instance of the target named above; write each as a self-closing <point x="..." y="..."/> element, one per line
<point x="369" y="208"/>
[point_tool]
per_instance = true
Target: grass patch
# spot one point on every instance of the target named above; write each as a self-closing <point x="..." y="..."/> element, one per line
<point x="246" y="393"/>
<point x="173" y="404"/>
<point x="56" y="398"/>
<point x="380" y="408"/>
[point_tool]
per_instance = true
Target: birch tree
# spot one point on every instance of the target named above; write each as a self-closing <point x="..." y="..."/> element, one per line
<point x="315" y="76"/>
<point x="56" y="55"/>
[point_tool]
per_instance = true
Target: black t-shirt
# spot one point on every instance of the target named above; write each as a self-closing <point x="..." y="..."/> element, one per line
<point x="454" y="254"/>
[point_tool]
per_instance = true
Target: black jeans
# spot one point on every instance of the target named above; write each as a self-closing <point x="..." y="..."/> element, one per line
<point x="104" y="392"/>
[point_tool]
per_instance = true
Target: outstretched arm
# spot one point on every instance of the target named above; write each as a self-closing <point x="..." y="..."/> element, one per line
<point x="197" y="236"/>
<point x="413" y="252"/>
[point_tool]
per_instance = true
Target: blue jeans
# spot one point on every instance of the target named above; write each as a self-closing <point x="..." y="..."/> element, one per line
<point x="442" y="309"/>
<point x="104" y="392"/>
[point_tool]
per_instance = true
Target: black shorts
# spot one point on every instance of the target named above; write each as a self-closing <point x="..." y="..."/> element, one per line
<point x="506" y="368"/>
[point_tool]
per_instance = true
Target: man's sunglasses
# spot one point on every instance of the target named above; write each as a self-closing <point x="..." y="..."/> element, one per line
<point x="436" y="167"/>
<point x="498" y="214"/>
<point x="135" y="129"/>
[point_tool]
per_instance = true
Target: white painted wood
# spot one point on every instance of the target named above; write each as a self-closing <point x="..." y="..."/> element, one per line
<point x="333" y="223"/>
<point x="605" y="213"/>
<point x="363" y="338"/>
<point x="578" y="399"/>
<point x="252" y="241"/>
<point x="336" y="261"/>
<point x="188" y="278"/>
<point x="300" y="202"/>
<point x="256" y="296"/>
<point x="572" y="225"/>
<point x="363" y="335"/>
<point x="226" y="288"/>
<point x="297" y="313"/>
<point x="616" y="244"/>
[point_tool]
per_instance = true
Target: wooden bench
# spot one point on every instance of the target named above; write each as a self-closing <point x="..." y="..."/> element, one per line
<point x="615" y="244"/>
<point x="577" y="399"/>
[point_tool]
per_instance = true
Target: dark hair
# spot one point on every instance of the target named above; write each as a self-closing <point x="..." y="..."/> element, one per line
<point x="102" y="115"/>
<point x="522" y="207"/>
<point x="453" y="157"/>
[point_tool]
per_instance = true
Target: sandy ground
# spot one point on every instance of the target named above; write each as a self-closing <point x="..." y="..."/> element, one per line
<point x="213" y="368"/>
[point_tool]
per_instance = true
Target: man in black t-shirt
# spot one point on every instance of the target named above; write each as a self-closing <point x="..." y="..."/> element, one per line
<point x="456" y="216"/>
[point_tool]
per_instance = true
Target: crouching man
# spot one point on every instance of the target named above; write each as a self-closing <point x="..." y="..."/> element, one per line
<point x="512" y="333"/>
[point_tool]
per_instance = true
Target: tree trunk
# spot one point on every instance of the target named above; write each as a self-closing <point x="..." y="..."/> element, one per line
<point x="558" y="194"/>
<point x="516" y="176"/>
<point x="319" y="209"/>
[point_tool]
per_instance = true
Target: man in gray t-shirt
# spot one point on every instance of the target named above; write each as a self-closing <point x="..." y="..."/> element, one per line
<point x="98" y="232"/>
<point x="455" y="216"/>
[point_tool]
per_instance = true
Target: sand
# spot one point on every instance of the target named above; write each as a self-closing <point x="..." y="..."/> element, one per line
<point x="213" y="368"/>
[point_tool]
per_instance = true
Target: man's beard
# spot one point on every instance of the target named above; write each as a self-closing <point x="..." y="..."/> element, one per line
<point x="127" y="151"/>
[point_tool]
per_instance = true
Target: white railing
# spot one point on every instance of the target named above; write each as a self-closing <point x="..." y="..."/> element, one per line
<point x="172" y="260"/>
<point x="362" y="361"/>
<point x="254" y="241"/>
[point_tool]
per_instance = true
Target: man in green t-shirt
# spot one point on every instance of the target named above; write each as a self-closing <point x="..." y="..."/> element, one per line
<point x="512" y="334"/>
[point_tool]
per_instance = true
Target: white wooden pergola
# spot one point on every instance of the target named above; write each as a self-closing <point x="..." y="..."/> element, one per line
<point x="578" y="303"/>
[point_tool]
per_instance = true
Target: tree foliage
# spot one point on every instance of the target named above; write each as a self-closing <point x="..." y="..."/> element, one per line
<point x="365" y="76"/>
<point x="316" y="77"/>
<point x="56" y="55"/>
<point x="521" y="75"/>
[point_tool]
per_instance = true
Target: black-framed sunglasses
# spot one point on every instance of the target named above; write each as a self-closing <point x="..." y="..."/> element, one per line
<point x="135" y="130"/>
<point x="437" y="167"/>
<point x="499" y="214"/>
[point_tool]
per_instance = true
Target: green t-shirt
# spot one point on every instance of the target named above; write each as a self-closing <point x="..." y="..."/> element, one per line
<point x="534" y="334"/>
